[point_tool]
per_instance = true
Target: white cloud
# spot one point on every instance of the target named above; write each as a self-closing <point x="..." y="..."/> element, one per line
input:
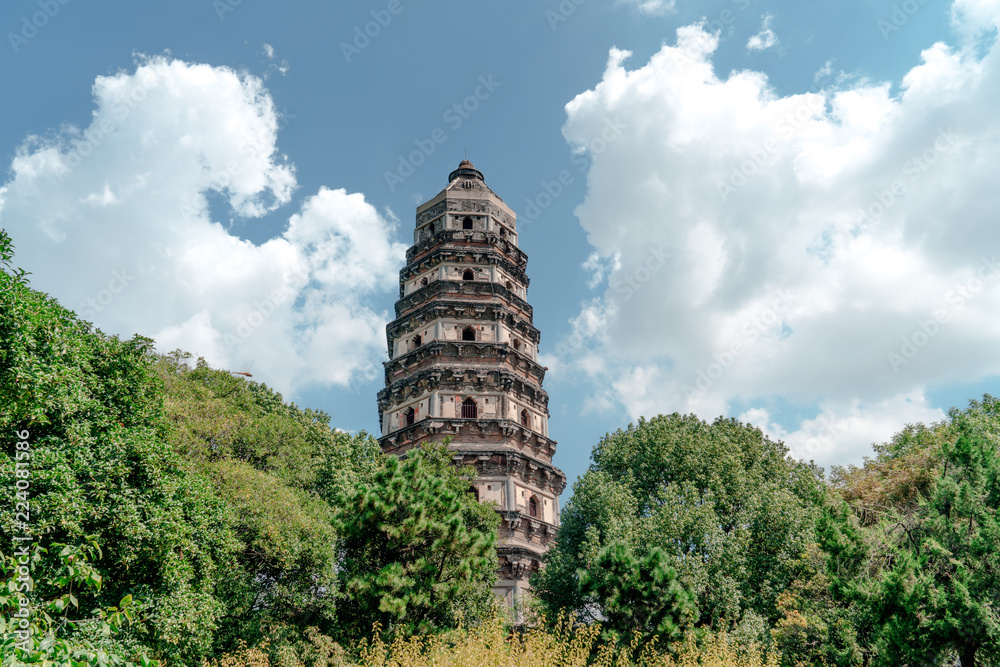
<point x="823" y="72"/>
<point x="651" y="7"/>
<point x="974" y="17"/>
<point x="598" y="268"/>
<point x="114" y="220"/>
<point x="764" y="39"/>
<point x="830" y="250"/>
<point x="281" y="66"/>
<point x="844" y="432"/>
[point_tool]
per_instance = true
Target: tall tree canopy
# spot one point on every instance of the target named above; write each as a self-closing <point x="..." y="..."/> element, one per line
<point x="921" y="557"/>
<point x="90" y="408"/>
<point x="730" y="511"/>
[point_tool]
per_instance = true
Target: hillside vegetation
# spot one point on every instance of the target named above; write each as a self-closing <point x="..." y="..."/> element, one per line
<point x="161" y="511"/>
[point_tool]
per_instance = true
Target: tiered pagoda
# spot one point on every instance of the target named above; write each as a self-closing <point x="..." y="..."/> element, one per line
<point x="463" y="363"/>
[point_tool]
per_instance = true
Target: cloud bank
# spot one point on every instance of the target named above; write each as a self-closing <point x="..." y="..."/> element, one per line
<point x="835" y="251"/>
<point x="115" y="219"/>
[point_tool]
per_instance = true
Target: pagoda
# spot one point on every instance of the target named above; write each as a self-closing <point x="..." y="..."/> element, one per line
<point x="463" y="364"/>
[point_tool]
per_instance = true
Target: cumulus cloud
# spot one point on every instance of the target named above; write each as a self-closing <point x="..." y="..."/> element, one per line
<point x="115" y="220"/>
<point x="832" y="251"/>
<point x="764" y="39"/>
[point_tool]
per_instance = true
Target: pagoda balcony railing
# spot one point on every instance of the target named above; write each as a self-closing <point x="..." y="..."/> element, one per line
<point x="465" y="237"/>
<point x="407" y="387"/>
<point x="522" y="439"/>
<point x="405" y="327"/>
<point x="455" y="255"/>
<point x="449" y="351"/>
<point x="477" y="288"/>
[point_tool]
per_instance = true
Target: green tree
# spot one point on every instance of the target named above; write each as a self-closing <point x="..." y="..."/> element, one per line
<point x="417" y="549"/>
<point x="7" y="260"/>
<point x="926" y="570"/>
<point x="39" y="611"/>
<point x="638" y="594"/>
<point x="725" y="504"/>
<point x="90" y="407"/>
<point x="279" y="470"/>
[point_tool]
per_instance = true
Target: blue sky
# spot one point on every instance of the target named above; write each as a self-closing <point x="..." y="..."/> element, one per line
<point x="783" y="212"/>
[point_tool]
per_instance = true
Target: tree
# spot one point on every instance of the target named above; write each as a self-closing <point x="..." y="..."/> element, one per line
<point x="638" y="594"/>
<point x="91" y="413"/>
<point x="927" y="571"/>
<point x="416" y="550"/>
<point x="725" y="505"/>
<point x="41" y="629"/>
<point x="17" y="276"/>
<point x="280" y="470"/>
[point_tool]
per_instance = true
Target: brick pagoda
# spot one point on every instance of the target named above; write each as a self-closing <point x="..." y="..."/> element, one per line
<point x="463" y="363"/>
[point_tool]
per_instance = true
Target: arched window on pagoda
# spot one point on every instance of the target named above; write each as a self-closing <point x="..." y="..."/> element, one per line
<point x="468" y="274"/>
<point x="517" y="344"/>
<point x="509" y="285"/>
<point x="474" y="492"/>
<point x="533" y="507"/>
<point x="467" y="223"/>
<point x="469" y="333"/>
<point x="423" y="282"/>
<point x="416" y="342"/>
<point x="525" y="418"/>
<point x="469" y="409"/>
<point x="411" y="416"/>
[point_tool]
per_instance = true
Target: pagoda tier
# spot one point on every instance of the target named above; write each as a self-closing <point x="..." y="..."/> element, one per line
<point x="463" y="367"/>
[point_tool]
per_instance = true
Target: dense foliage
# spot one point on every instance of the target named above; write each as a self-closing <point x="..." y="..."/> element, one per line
<point x="214" y="501"/>
<point x="920" y="558"/>
<point x="159" y="510"/>
<point x="638" y="594"/>
<point x="725" y="505"/>
<point x="89" y="407"/>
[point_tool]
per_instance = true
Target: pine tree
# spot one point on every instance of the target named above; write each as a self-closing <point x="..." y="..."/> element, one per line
<point x="417" y="549"/>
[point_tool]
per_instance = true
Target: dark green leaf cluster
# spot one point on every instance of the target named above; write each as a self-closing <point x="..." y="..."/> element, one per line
<point x="923" y="576"/>
<point x="418" y="549"/>
<point x="43" y="631"/>
<point x="638" y="594"/>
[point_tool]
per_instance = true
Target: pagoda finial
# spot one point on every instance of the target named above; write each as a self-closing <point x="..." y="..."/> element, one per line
<point x="465" y="170"/>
